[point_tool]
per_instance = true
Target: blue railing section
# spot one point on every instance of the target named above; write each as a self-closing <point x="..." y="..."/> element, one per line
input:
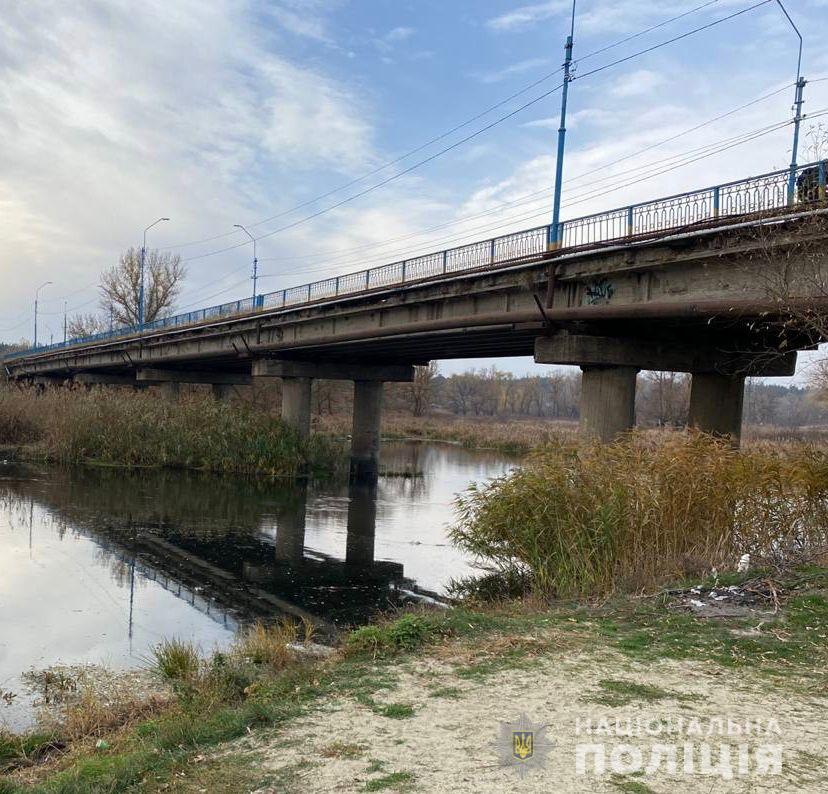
<point x="749" y="196"/>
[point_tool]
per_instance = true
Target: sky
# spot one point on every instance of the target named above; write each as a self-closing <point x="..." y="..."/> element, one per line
<point x="217" y="112"/>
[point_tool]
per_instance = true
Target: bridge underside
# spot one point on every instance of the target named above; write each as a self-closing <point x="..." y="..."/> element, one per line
<point x="716" y="303"/>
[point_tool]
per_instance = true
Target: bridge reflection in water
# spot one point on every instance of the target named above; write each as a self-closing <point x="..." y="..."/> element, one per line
<point x="237" y="550"/>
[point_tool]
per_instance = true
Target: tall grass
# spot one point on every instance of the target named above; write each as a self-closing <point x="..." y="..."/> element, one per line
<point x="140" y="429"/>
<point x="603" y="518"/>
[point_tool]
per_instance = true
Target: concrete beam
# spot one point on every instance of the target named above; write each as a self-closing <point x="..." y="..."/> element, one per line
<point x="365" y="436"/>
<point x="323" y="370"/>
<point x="607" y="402"/>
<point x="151" y="375"/>
<point x="716" y="403"/>
<point x="606" y="351"/>
<point x="103" y="379"/>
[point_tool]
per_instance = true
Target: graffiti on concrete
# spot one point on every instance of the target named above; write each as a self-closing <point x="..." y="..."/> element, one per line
<point x="600" y="291"/>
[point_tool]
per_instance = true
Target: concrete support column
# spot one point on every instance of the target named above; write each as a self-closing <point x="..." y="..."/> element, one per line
<point x="222" y="391"/>
<point x="607" y="402"/>
<point x="716" y="404"/>
<point x="365" y="438"/>
<point x="170" y="390"/>
<point x="296" y="404"/>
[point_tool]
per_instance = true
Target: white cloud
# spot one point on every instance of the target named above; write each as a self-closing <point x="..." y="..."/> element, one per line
<point x="111" y="118"/>
<point x="395" y="36"/>
<point x="526" y="16"/>
<point x="521" y="67"/>
<point x="638" y="83"/>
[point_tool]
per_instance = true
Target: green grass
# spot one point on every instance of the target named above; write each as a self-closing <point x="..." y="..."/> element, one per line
<point x="394" y="711"/>
<point x="630" y="786"/>
<point x="614" y="693"/>
<point x="451" y="692"/>
<point x="396" y="781"/>
<point x="790" y="649"/>
<point x="176" y="660"/>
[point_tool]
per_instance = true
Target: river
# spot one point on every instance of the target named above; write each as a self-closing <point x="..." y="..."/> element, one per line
<point x="98" y="565"/>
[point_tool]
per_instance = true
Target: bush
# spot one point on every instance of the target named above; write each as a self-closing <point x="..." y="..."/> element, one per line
<point x="140" y="429"/>
<point x="632" y="515"/>
<point x="177" y="660"/>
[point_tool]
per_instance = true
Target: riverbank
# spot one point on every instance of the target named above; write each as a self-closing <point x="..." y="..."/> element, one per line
<point x="126" y="429"/>
<point x="416" y="703"/>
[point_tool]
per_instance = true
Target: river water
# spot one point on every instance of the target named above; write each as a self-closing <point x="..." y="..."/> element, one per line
<point x="98" y="565"/>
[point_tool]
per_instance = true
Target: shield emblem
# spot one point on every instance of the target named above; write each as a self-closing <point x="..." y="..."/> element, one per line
<point x="523" y="744"/>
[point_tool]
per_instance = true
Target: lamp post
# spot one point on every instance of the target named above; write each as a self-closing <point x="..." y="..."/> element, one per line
<point x="255" y="260"/>
<point x="37" y="295"/>
<point x="141" y="287"/>
<point x="800" y="87"/>
<point x="554" y="241"/>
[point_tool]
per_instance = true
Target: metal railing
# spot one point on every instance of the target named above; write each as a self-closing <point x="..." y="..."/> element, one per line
<point x="751" y="196"/>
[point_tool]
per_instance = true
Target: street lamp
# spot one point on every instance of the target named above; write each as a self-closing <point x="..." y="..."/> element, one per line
<point x="554" y="241"/>
<point x="141" y="288"/>
<point x="37" y="295"/>
<point x="255" y="260"/>
<point x="800" y="86"/>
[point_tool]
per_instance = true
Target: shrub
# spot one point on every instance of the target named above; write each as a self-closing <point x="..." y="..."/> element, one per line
<point x="177" y="660"/>
<point x="140" y="429"/>
<point x="267" y="645"/>
<point x="643" y="511"/>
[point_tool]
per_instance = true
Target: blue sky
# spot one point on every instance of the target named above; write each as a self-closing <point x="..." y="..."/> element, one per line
<point x="216" y="112"/>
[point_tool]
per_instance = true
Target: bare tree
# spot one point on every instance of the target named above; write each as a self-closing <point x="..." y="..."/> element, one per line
<point x="817" y="142"/>
<point x="421" y="388"/>
<point x="665" y="398"/>
<point x="121" y="285"/>
<point x="86" y="325"/>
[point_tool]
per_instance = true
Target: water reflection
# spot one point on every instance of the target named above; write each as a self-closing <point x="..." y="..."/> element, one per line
<point x="96" y="565"/>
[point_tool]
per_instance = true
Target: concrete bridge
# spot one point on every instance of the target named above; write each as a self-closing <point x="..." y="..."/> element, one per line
<point x="704" y="283"/>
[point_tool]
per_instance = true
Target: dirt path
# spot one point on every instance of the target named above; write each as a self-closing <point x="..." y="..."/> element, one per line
<point x="436" y="728"/>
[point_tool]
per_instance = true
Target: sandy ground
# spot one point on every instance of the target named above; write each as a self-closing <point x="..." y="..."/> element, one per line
<point x="450" y="742"/>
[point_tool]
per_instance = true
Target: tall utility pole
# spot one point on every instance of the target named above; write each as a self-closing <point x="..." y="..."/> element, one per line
<point x="798" y="100"/>
<point x="141" y="287"/>
<point x="64" y="323"/>
<point x="37" y="294"/>
<point x="554" y="241"/>
<point x="255" y="260"/>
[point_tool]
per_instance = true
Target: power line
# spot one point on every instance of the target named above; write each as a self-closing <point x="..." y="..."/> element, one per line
<point x="687" y="159"/>
<point x="447" y="133"/>
<point x="391" y="178"/>
<point x="486" y="128"/>
<point x="673" y="40"/>
<point x="520" y="199"/>
<point x="647" y="30"/>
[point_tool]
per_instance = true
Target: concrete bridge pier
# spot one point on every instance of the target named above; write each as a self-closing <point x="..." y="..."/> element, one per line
<point x="296" y="404"/>
<point x="610" y="365"/>
<point x="222" y="391"/>
<point x="607" y="402"/>
<point x="716" y="402"/>
<point x="170" y="390"/>
<point x="365" y="437"/>
<point x="368" y="380"/>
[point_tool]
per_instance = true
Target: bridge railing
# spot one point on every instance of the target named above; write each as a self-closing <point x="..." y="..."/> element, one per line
<point x="758" y="194"/>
